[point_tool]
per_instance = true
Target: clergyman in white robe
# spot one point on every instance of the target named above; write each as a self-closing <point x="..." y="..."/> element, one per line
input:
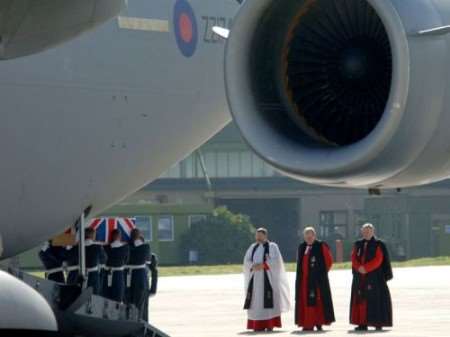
<point x="260" y="315"/>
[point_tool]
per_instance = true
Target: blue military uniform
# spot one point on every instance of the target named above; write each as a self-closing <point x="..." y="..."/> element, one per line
<point x="137" y="277"/>
<point x="94" y="255"/>
<point x="153" y="266"/>
<point x="72" y="261"/>
<point x="53" y="258"/>
<point x="117" y="254"/>
<point x="103" y="273"/>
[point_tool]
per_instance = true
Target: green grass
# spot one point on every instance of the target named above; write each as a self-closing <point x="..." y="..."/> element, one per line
<point x="424" y="262"/>
<point x="237" y="268"/>
<point x="218" y="270"/>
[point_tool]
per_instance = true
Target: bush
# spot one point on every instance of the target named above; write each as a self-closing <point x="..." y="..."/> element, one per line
<point x="221" y="238"/>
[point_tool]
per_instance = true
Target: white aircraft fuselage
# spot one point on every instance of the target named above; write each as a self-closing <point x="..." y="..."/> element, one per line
<point x="87" y="123"/>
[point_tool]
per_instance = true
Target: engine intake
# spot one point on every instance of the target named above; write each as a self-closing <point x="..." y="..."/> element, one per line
<point x="343" y="93"/>
<point x="337" y="67"/>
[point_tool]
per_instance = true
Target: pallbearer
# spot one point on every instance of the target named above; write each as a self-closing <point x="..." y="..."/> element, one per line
<point x="153" y="267"/>
<point x="137" y="277"/>
<point x="103" y="273"/>
<point x="72" y="267"/>
<point x="267" y="289"/>
<point x="94" y="254"/>
<point x="52" y="258"/>
<point x="314" y="304"/>
<point x="117" y="257"/>
<point x="371" y="300"/>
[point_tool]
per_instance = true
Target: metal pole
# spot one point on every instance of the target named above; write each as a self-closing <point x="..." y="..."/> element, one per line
<point x="205" y="172"/>
<point x="82" y="250"/>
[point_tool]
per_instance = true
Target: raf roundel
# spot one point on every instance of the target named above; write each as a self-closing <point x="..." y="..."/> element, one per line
<point x="185" y="28"/>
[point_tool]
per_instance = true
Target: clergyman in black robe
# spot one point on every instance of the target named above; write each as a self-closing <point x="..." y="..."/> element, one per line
<point x="371" y="303"/>
<point x="314" y="304"/>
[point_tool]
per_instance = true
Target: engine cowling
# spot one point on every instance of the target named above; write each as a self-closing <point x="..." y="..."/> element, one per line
<point x="30" y="26"/>
<point x="351" y="93"/>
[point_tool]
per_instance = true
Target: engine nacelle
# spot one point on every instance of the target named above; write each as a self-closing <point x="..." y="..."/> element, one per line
<point x="351" y="93"/>
<point x="30" y="26"/>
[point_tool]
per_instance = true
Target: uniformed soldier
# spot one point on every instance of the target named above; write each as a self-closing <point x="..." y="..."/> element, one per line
<point x="137" y="276"/>
<point x="103" y="273"/>
<point x="153" y="266"/>
<point x="72" y="267"/>
<point x="94" y="253"/>
<point x="117" y="258"/>
<point x="53" y="258"/>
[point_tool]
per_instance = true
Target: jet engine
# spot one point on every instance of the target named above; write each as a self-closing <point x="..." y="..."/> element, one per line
<point x="30" y="26"/>
<point x="351" y="93"/>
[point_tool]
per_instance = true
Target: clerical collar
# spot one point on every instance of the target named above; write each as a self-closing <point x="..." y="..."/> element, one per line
<point x="89" y="242"/>
<point x="138" y="242"/>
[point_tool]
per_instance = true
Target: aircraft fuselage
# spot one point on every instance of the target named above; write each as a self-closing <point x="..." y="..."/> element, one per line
<point x="91" y="121"/>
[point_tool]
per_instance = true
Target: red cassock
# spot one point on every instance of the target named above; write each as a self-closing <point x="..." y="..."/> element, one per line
<point x="359" y="306"/>
<point x="309" y="317"/>
<point x="266" y="324"/>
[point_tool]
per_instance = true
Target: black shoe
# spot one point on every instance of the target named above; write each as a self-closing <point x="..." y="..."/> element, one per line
<point x="361" y="328"/>
<point x="319" y="328"/>
<point x="379" y="328"/>
<point x="308" y="329"/>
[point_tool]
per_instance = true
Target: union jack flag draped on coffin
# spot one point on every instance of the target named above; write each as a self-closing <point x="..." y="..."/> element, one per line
<point x="105" y="226"/>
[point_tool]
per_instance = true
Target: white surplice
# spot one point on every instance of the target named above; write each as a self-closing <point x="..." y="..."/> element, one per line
<point x="278" y="280"/>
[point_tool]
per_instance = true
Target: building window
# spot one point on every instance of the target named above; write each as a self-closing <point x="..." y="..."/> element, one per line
<point x="144" y="224"/>
<point x="258" y="166"/>
<point x="246" y="164"/>
<point x="269" y="171"/>
<point x="222" y="164"/>
<point x="359" y="219"/>
<point x="210" y="164"/>
<point x="375" y="219"/>
<point x="233" y="164"/>
<point x="189" y="167"/>
<point x="333" y="224"/>
<point x="165" y="228"/>
<point x="173" y="172"/>
<point x="195" y="219"/>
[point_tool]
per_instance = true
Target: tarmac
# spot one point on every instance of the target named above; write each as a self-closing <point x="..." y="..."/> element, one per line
<point x="211" y="306"/>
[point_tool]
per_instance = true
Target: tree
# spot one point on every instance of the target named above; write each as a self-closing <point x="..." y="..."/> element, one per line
<point x="222" y="238"/>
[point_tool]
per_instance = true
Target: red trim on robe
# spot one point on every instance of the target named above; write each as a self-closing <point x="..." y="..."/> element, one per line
<point x="265" y="324"/>
<point x="328" y="257"/>
<point x="309" y="317"/>
<point x="359" y="310"/>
